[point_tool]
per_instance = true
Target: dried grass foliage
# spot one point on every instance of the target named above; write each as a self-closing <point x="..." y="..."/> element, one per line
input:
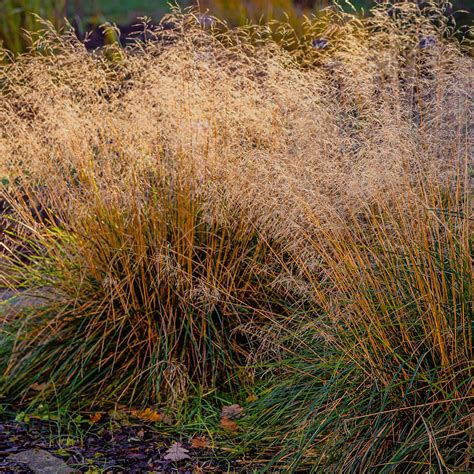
<point x="252" y="134"/>
<point x="249" y="122"/>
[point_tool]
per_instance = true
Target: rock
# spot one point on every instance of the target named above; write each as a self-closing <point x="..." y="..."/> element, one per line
<point x="13" y="302"/>
<point x="41" y="462"/>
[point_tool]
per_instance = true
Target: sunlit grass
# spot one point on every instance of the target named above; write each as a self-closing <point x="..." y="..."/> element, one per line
<point x="151" y="298"/>
<point x="252" y="210"/>
<point x="380" y="375"/>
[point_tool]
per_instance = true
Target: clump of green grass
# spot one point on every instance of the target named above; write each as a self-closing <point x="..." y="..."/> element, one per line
<point x="380" y="375"/>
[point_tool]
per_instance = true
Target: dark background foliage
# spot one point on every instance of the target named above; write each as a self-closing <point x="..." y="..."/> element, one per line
<point x="87" y="15"/>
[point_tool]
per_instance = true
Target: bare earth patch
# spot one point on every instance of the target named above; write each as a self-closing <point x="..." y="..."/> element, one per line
<point x="40" y="447"/>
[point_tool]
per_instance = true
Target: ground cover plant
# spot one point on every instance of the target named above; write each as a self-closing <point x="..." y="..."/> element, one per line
<point x="261" y="216"/>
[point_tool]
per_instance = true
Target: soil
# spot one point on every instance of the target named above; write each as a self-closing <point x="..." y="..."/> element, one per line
<point x="130" y="449"/>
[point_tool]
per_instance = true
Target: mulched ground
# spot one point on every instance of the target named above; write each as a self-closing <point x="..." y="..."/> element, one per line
<point x="130" y="449"/>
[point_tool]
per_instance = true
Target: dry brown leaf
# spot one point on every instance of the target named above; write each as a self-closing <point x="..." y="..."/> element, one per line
<point x="176" y="453"/>
<point x="232" y="412"/>
<point x="38" y="387"/>
<point x="147" y="415"/>
<point x="229" y="425"/>
<point x="96" y="417"/>
<point x="199" y="442"/>
<point x="166" y="419"/>
<point x="154" y="416"/>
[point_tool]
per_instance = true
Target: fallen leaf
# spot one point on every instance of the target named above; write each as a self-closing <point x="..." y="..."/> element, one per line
<point x="229" y="425"/>
<point x="38" y="387"/>
<point x="232" y="412"/>
<point x="176" y="453"/>
<point x="22" y="417"/>
<point x="199" y="442"/>
<point x="166" y="419"/>
<point x="69" y="442"/>
<point x="147" y="415"/>
<point x="96" y="417"/>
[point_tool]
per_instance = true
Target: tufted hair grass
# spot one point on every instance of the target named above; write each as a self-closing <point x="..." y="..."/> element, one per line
<point x="212" y="199"/>
<point x="379" y="374"/>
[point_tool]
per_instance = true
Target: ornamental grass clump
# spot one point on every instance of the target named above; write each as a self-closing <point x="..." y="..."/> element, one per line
<point x="119" y="217"/>
<point x="380" y="374"/>
<point x="150" y="296"/>
<point x="209" y="200"/>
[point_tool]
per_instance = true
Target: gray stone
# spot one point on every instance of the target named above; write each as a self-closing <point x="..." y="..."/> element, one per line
<point x="41" y="462"/>
<point x="13" y="301"/>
